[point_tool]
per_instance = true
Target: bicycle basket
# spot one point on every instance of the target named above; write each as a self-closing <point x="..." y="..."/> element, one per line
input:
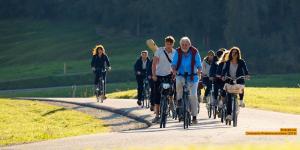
<point x="234" y="89"/>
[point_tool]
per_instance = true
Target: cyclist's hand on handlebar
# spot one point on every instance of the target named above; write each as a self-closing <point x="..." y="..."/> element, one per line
<point x="93" y="69"/>
<point x="138" y="73"/>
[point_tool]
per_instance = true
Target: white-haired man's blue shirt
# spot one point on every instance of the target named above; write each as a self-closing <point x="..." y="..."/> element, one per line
<point x="186" y="62"/>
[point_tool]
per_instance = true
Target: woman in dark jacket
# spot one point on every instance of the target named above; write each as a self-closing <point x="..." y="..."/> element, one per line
<point x="140" y="69"/>
<point x="100" y="63"/>
<point x="235" y="67"/>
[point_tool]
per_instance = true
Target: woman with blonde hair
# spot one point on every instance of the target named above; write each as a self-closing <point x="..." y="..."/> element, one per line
<point x="219" y="70"/>
<point x="100" y="63"/>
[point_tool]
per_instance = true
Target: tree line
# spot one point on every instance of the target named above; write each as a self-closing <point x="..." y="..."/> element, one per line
<point x="267" y="31"/>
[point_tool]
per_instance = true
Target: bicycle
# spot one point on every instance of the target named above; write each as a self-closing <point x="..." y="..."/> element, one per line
<point x="185" y="111"/>
<point x="146" y="93"/>
<point x="166" y="89"/>
<point x="211" y="103"/>
<point x="99" y="91"/>
<point x="233" y="89"/>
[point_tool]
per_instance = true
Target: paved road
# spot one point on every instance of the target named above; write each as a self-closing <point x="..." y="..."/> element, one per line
<point x="207" y="131"/>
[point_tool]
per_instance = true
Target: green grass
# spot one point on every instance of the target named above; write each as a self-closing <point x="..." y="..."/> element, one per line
<point x="30" y="121"/>
<point x="37" y="49"/>
<point x="275" y="99"/>
<point x="123" y="94"/>
<point x="275" y="80"/>
<point x="81" y="91"/>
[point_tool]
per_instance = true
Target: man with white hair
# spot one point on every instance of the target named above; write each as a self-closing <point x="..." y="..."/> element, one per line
<point x="187" y="60"/>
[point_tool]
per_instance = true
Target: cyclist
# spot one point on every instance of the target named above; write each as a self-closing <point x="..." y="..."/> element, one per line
<point x="187" y="60"/>
<point x="161" y="70"/>
<point x="99" y="64"/>
<point x="207" y="61"/>
<point x="220" y="68"/>
<point x="218" y="82"/>
<point x="234" y="68"/>
<point x="140" y="69"/>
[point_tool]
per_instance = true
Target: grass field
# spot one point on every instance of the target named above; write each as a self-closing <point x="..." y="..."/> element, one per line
<point x="31" y="49"/>
<point x="275" y="99"/>
<point x="29" y="121"/>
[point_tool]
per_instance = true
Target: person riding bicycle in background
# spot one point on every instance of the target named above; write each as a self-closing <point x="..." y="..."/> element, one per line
<point x="162" y="70"/>
<point x="187" y="60"/>
<point x="234" y="68"/>
<point x="221" y="65"/>
<point x="206" y="65"/>
<point x="99" y="64"/>
<point x="213" y="73"/>
<point x="140" y="69"/>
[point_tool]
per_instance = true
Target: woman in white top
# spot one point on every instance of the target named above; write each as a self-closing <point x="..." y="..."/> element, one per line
<point x="206" y="64"/>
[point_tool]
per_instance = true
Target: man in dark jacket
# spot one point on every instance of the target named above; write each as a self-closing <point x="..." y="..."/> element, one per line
<point x="140" y="69"/>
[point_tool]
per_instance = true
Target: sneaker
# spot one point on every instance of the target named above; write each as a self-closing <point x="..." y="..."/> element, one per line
<point x="155" y="120"/>
<point x="229" y="117"/>
<point x="139" y="102"/>
<point x="242" y="104"/>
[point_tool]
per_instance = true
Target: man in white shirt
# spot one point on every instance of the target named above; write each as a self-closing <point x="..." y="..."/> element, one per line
<point x="162" y="70"/>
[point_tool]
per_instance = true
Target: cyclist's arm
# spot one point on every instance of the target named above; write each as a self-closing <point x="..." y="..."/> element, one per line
<point x="154" y="63"/>
<point x="136" y="69"/>
<point x="149" y="68"/>
<point x="198" y="63"/>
